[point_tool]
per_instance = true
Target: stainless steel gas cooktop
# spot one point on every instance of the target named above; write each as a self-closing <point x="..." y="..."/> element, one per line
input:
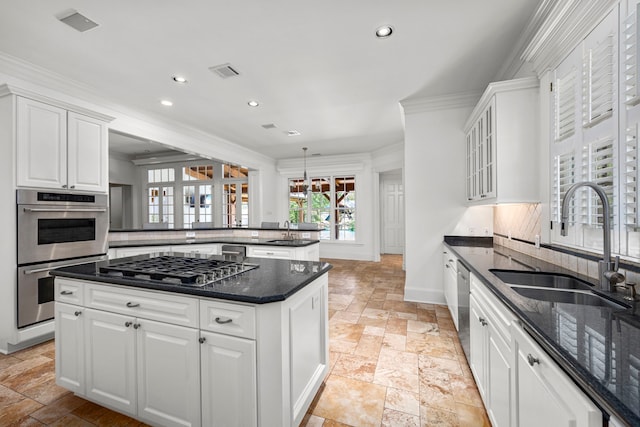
<point x="178" y="270"/>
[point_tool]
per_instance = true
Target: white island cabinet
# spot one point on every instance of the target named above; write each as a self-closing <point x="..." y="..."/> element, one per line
<point x="172" y="359"/>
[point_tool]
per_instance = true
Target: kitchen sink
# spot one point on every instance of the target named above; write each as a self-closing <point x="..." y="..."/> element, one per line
<point x="567" y="296"/>
<point x="541" y="279"/>
<point x="289" y="241"/>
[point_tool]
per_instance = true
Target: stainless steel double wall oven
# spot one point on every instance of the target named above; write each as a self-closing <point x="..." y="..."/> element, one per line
<point x="55" y="230"/>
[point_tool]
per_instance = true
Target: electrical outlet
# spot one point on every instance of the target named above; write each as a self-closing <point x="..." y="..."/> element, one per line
<point x="306" y="235"/>
<point x="254" y="233"/>
<point x="191" y="234"/>
<point x="486" y="231"/>
<point x="537" y="241"/>
<point x="509" y="234"/>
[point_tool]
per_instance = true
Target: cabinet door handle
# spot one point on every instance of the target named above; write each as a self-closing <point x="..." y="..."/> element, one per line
<point x="136" y="325"/>
<point x="482" y="321"/>
<point x="132" y="305"/>
<point x="201" y="340"/>
<point x="223" y="321"/>
<point x="532" y="360"/>
<point x="127" y="324"/>
<point x="73" y="186"/>
<point x="77" y="313"/>
<point x="447" y="265"/>
<point x="66" y="293"/>
<point x="64" y="186"/>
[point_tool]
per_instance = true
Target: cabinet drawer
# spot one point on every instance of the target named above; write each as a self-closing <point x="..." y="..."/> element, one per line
<point x="231" y="319"/>
<point x="501" y="315"/>
<point x="164" y="307"/>
<point x="272" y="252"/>
<point x="69" y="291"/>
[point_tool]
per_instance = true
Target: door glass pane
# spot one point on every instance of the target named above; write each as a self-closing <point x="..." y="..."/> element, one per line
<point x="188" y="205"/>
<point x="205" y="208"/>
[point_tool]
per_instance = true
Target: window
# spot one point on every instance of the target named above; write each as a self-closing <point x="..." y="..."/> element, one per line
<point x="182" y="195"/>
<point x="329" y="202"/>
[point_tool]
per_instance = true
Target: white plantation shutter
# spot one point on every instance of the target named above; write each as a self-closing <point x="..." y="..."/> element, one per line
<point x="630" y="178"/>
<point x="565" y="105"/>
<point x="598" y="82"/>
<point x="564" y="177"/>
<point x="599" y="160"/>
<point x="630" y="58"/>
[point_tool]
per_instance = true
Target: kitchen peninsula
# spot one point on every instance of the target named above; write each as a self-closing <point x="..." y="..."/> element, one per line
<point x="177" y="340"/>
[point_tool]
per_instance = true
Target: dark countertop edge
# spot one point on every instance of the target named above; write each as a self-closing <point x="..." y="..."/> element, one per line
<point x="194" y="291"/>
<point x="602" y="397"/>
<point x="297" y="243"/>
<point x="483" y="242"/>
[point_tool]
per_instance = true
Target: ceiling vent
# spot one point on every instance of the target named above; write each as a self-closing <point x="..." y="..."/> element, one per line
<point x="269" y="126"/>
<point x="224" y="71"/>
<point x="292" y="133"/>
<point x="77" y="21"/>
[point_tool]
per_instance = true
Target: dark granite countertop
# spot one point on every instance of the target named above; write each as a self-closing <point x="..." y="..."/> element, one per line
<point x="226" y="240"/>
<point x="273" y="280"/>
<point x="599" y="347"/>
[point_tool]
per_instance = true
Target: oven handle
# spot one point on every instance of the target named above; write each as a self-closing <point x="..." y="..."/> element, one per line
<point x="65" y="210"/>
<point x="69" y="264"/>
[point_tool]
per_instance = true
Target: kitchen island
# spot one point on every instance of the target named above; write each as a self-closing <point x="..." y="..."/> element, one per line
<point x="245" y="345"/>
<point x="596" y="346"/>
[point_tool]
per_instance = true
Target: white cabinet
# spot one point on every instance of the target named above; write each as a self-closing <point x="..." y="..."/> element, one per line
<point x="501" y="141"/>
<point x="69" y="347"/>
<point x="299" y="253"/>
<point x="490" y="358"/>
<point x="60" y="149"/>
<point x="545" y="396"/>
<point x="450" y="283"/>
<point x="228" y="380"/>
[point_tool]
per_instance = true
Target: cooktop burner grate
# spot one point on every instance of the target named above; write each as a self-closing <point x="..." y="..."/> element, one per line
<point x="178" y="270"/>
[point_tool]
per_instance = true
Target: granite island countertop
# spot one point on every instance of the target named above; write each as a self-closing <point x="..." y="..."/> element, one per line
<point x="273" y="279"/>
<point x="597" y="346"/>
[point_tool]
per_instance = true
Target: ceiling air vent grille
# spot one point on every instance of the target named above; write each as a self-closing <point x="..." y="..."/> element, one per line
<point x="269" y="126"/>
<point x="224" y="71"/>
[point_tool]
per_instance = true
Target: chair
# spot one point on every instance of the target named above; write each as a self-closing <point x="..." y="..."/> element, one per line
<point x="266" y="224"/>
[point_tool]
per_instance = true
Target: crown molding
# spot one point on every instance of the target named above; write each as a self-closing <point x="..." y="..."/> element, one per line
<point x="7" y="89"/>
<point x="565" y="24"/>
<point x="500" y="87"/>
<point x="443" y="102"/>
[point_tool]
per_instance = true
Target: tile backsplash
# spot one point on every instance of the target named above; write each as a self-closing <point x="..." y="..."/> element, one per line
<point x="520" y="221"/>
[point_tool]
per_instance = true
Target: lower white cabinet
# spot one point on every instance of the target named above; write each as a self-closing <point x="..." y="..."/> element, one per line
<point x="450" y="283"/>
<point x="545" y="396"/>
<point x="298" y="253"/>
<point x="69" y="326"/>
<point x="228" y="380"/>
<point x="520" y="385"/>
<point x="144" y="368"/>
<point x="490" y="358"/>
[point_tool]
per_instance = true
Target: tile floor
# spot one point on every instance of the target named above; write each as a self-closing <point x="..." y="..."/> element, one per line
<point x="392" y="364"/>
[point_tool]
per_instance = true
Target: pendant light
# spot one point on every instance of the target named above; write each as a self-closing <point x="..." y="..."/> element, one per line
<point x="305" y="186"/>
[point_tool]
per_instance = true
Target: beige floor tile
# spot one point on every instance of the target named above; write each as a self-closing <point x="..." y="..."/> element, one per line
<point x="351" y="402"/>
<point x="402" y="400"/>
<point x="392" y="418"/>
<point x="355" y="367"/>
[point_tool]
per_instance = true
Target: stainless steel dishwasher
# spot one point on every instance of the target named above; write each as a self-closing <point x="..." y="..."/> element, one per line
<point x="463" y="307"/>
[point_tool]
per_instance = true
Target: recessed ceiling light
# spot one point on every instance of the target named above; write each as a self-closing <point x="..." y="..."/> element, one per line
<point x="253" y="103"/>
<point x="166" y="103"/>
<point x="384" y="31"/>
<point x="179" y="79"/>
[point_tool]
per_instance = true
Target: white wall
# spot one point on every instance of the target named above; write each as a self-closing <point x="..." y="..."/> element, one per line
<point x="434" y="161"/>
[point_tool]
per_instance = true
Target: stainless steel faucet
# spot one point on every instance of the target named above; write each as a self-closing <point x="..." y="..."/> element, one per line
<point x="607" y="270"/>
<point x="288" y="235"/>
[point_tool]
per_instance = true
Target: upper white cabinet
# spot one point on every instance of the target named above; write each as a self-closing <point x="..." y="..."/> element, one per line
<point x="501" y="141"/>
<point x="60" y="149"/>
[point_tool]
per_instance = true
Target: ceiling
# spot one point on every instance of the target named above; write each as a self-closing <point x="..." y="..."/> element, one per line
<point x="316" y="68"/>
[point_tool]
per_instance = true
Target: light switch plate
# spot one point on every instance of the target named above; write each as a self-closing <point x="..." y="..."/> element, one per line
<point x="191" y="234"/>
<point x="254" y="233"/>
<point x="306" y="235"/>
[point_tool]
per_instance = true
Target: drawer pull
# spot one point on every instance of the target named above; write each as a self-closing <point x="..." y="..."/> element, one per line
<point x="77" y="313"/>
<point x="532" y="360"/>
<point x="66" y="293"/>
<point x="136" y="325"/>
<point x="482" y="321"/>
<point x="127" y="324"/>
<point x="201" y="340"/>
<point x="132" y="305"/>
<point x="223" y="321"/>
